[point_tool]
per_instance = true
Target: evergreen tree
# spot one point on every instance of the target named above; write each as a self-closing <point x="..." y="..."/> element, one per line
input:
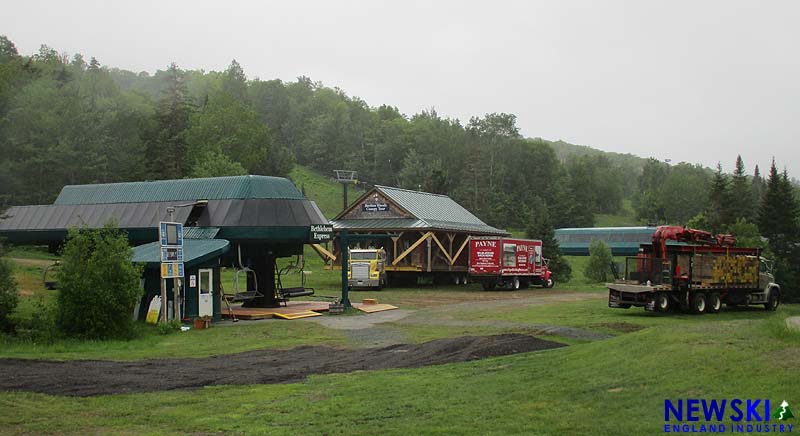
<point x="741" y="206"/>
<point x="757" y="188"/>
<point x="541" y="227"/>
<point x="166" y="146"/>
<point x="779" y="222"/>
<point x="719" y="199"/>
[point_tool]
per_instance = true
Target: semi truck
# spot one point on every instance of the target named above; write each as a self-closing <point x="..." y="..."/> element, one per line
<point x="366" y="268"/>
<point x="498" y="262"/>
<point x="699" y="272"/>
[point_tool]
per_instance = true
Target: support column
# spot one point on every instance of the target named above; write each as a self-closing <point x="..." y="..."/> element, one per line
<point x="263" y="264"/>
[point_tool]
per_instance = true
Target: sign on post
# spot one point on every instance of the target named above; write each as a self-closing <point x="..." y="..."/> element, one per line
<point x="321" y="233"/>
<point x="171" y="237"/>
<point x="171" y="270"/>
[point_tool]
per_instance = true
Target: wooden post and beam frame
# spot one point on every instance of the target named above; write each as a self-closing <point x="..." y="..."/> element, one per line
<point x="431" y="238"/>
<point x="323" y="253"/>
<point x="458" y="253"/>
<point x="411" y="248"/>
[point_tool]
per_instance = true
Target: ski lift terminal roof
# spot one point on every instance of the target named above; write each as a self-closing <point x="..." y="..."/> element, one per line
<point x="212" y="188"/>
<point x="249" y="208"/>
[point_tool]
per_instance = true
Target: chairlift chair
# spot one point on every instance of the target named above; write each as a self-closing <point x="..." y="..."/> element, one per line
<point x="284" y="294"/>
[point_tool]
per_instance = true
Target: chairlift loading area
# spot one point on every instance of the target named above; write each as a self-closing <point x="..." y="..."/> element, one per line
<point x="244" y="222"/>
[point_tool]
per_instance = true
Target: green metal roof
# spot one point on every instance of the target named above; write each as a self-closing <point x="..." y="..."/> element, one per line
<point x="200" y="232"/>
<point x="195" y="251"/>
<point x="379" y="224"/>
<point x="214" y="188"/>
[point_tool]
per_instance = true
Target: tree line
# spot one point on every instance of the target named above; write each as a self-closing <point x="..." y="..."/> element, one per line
<point x="65" y="120"/>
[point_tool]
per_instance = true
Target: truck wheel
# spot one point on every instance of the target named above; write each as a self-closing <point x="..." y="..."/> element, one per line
<point x="773" y="300"/>
<point x="515" y="284"/>
<point x="699" y="303"/>
<point x="714" y="303"/>
<point x="549" y="283"/>
<point x="662" y="302"/>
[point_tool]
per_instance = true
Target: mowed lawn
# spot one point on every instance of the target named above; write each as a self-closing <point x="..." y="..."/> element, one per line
<point x="607" y="387"/>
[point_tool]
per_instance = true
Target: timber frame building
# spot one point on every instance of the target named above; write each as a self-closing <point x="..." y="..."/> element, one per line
<point x="429" y="233"/>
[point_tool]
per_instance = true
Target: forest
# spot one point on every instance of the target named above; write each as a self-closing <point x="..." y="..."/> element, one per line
<point x="68" y="120"/>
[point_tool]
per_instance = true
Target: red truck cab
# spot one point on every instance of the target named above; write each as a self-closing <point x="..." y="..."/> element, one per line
<point x="508" y="263"/>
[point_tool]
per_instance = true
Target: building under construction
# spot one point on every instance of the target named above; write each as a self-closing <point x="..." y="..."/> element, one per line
<point x="424" y="235"/>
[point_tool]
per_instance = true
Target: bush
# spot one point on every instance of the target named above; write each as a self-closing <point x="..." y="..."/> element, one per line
<point x="41" y="327"/>
<point x="167" y="328"/>
<point x="599" y="267"/>
<point x="8" y="293"/>
<point x="99" y="285"/>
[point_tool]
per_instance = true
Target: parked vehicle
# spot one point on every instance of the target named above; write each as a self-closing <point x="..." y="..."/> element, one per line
<point x="510" y="263"/>
<point x="367" y="268"/>
<point x="699" y="275"/>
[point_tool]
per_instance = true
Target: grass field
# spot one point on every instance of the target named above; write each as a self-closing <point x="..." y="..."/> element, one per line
<point x="606" y="387"/>
<point x="323" y="190"/>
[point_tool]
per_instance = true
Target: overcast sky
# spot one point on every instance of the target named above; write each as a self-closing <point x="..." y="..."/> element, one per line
<point x="696" y="81"/>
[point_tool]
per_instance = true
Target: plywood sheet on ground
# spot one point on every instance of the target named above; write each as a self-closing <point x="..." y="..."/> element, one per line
<point x="297" y="315"/>
<point x="370" y="308"/>
<point x="293" y="307"/>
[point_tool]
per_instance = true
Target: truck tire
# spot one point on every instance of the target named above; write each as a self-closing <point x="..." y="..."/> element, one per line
<point x="663" y="302"/>
<point x="699" y="303"/>
<point x="515" y="284"/>
<point x="773" y="300"/>
<point x="549" y="283"/>
<point x="714" y="303"/>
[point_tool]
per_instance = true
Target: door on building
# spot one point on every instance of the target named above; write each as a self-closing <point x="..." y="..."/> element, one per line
<point x="205" y="289"/>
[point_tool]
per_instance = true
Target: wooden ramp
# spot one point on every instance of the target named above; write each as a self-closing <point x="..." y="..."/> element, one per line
<point x="293" y="310"/>
<point x="370" y="308"/>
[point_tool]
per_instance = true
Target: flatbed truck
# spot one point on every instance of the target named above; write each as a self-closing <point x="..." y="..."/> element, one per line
<point x="699" y="276"/>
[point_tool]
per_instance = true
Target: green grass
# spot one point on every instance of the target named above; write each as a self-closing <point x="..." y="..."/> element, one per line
<point x="31" y="252"/>
<point x="625" y="218"/>
<point x="193" y="343"/>
<point x="611" y="387"/>
<point x="323" y="190"/>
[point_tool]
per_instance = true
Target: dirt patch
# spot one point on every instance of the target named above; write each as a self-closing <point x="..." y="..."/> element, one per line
<point x="622" y="327"/>
<point x="98" y="377"/>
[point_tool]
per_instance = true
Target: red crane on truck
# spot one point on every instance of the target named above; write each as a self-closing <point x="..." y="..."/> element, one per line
<point x="700" y="273"/>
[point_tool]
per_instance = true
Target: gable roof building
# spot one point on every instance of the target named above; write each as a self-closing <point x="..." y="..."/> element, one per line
<point x="388" y="208"/>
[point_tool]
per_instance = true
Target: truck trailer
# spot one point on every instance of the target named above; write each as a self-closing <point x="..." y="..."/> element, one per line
<point x="498" y="262"/>
<point x="699" y="274"/>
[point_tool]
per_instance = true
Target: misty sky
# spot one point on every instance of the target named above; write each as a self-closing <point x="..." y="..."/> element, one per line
<point x="696" y="81"/>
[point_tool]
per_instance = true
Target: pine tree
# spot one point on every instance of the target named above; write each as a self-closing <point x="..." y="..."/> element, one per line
<point x="757" y="187"/>
<point x="719" y="200"/>
<point x="741" y="196"/>
<point x="540" y="227"/>
<point x="166" y="146"/>
<point x="778" y="222"/>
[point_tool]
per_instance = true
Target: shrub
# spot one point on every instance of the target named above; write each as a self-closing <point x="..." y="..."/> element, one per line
<point x="167" y="328"/>
<point x="599" y="267"/>
<point x="99" y="285"/>
<point x="8" y="292"/>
